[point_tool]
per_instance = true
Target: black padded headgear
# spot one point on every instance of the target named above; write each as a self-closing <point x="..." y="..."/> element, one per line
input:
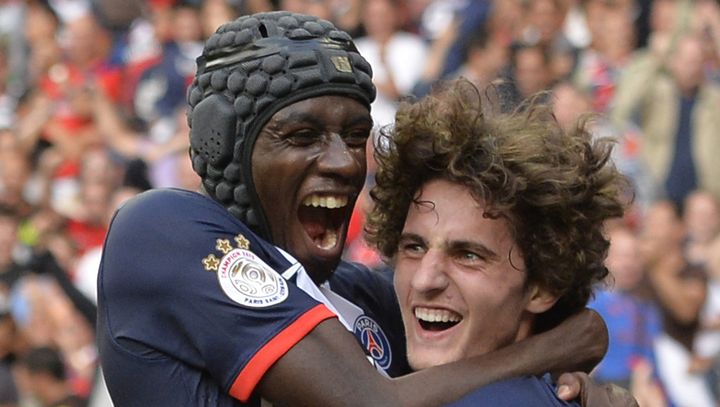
<point x="250" y="69"/>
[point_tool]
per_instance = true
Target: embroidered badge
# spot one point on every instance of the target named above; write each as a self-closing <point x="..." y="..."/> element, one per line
<point x="342" y="64"/>
<point x="244" y="277"/>
<point x="374" y="340"/>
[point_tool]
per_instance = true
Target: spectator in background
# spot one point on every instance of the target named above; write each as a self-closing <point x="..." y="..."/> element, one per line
<point x="46" y="380"/>
<point x="468" y="18"/>
<point x="14" y="79"/>
<point x="701" y="216"/>
<point x="451" y="38"/>
<point x="633" y="322"/>
<point x="10" y="344"/>
<point x="601" y="63"/>
<point x="185" y="177"/>
<point x="8" y="102"/>
<point x="486" y="56"/>
<point x="156" y="150"/>
<point x="60" y="121"/>
<point x="161" y="85"/>
<point x="15" y="173"/>
<point x="10" y="269"/>
<point x="87" y="227"/>
<point x="711" y="317"/>
<point x="679" y="289"/>
<point x="347" y="15"/>
<point x="677" y="114"/>
<point x="88" y="264"/>
<point x="214" y="13"/>
<point x="529" y="71"/>
<point x="706" y="20"/>
<point x="397" y="57"/>
<point x="570" y="103"/>
<point x="317" y="8"/>
<point x="45" y="316"/>
<point x="543" y="25"/>
<point x="40" y="43"/>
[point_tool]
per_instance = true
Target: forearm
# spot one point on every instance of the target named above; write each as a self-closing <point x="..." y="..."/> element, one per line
<point x="30" y="127"/>
<point x="113" y="130"/>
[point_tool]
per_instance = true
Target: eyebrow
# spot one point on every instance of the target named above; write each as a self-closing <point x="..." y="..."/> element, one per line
<point x="295" y="117"/>
<point x="298" y="117"/>
<point x="404" y="237"/>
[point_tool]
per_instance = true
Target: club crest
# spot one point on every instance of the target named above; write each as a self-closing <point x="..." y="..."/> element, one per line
<point x="244" y="277"/>
<point x="374" y="340"/>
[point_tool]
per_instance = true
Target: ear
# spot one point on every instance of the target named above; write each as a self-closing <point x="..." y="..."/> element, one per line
<point x="541" y="300"/>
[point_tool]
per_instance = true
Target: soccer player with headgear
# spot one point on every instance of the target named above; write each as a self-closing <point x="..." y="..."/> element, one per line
<point x="238" y="293"/>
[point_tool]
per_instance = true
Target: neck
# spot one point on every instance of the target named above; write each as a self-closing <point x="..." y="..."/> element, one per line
<point x="526" y="326"/>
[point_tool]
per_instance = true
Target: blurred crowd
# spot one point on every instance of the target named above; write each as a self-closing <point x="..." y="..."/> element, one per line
<point x="92" y="112"/>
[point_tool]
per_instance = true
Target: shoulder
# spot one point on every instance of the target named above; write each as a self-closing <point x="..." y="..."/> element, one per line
<point x="170" y="213"/>
<point x="168" y="231"/>
<point x="520" y="391"/>
<point x="169" y="202"/>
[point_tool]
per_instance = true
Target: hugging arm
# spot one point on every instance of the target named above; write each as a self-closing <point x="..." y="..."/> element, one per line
<point x="328" y="368"/>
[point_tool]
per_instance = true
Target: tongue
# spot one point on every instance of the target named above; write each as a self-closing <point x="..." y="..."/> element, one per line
<point x="314" y="230"/>
<point x="314" y="220"/>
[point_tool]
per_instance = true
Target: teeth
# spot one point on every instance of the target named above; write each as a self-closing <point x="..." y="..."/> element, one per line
<point x="436" y="315"/>
<point x="329" y="240"/>
<point x="330" y="202"/>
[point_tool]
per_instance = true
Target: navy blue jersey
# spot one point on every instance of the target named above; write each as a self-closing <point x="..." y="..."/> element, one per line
<point x="192" y="309"/>
<point x="380" y="329"/>
<point x="521" y="391"/>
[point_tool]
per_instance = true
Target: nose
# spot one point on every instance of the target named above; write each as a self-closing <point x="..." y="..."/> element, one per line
<point x="338" y="159"/>
<point x="430" y="277"/>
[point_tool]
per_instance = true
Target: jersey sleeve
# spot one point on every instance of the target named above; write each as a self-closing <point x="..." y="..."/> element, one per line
<point x="180" y="278"/>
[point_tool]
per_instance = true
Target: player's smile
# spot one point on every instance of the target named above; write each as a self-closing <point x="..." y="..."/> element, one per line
<point x="436" y="319"/>
<point x="323" y="217"/>
<point x="309" y="168"/>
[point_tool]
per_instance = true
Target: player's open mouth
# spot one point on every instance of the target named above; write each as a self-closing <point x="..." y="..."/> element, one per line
<point x="436" y="319"/>
<point x="322" y="216"/>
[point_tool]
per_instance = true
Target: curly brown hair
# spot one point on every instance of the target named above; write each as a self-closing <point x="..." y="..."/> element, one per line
<point x="556" y="189"/>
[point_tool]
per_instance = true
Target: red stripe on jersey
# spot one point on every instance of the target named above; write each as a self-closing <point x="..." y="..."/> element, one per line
<point x="250" y="376"/>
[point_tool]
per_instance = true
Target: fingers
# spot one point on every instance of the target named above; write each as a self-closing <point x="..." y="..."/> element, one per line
<point x="569" y="386"/>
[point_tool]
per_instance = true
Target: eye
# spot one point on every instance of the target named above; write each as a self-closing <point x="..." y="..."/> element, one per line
<point x="356" y="138"/>
<point x="412" y="249"/>
<point x="303" y="137"/>
<point x="468" y="257"/>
